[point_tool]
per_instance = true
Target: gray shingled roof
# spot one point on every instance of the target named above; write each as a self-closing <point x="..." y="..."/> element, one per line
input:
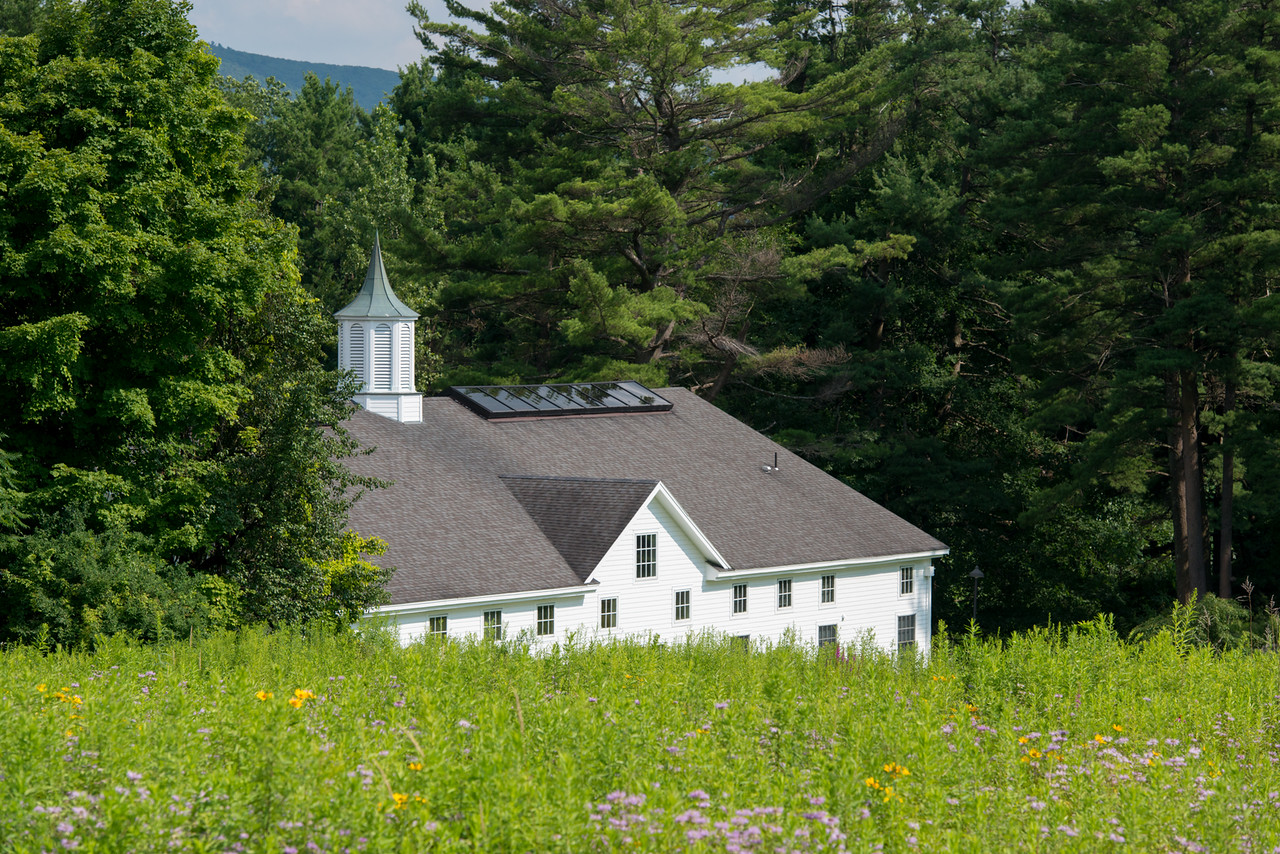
<point x="455" y="527"/>
<point x="582" y="517"/>
<point x="376" y="299"/>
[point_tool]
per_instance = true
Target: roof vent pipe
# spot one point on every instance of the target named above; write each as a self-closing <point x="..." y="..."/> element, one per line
<point x="770" y="469"/>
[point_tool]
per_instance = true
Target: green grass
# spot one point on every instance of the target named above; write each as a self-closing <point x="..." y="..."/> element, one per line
<point x="1052" y="741"/>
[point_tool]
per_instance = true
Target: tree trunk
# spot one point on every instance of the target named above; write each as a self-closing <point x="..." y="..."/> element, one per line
<point x="656" y="346"/>
<point x="1228" y="496"/>
<point x="726" y="369"/>
<point x="1186" y="483"/>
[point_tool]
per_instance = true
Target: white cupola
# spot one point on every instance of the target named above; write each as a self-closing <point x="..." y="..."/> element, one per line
<point x="375" y="342"/>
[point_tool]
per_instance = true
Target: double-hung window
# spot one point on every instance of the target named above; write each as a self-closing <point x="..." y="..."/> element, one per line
<point x="493" y="625"/>
<point x="646" y="555"/>
<point x="739" y="598"/>
<point x="906" y="580"/>
<point x="438" y="627"/>
<point x="608" y="613"/>
<point x="682" y="604"/>
<point x="546" y="619"/>
<point x="828" y="589"/>
<point x="907" y="631"/>
<point x="826" y="635"/>
<point x="784" y="592"/>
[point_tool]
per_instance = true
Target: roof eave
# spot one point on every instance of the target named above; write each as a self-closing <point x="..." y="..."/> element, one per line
<point x="714" y="574"/>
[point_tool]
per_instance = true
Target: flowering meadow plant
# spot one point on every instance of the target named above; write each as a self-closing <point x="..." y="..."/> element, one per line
<point x="1062" y="740"/>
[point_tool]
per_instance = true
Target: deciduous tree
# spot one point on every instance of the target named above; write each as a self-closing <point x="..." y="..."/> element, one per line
<point x="163" y="390"/>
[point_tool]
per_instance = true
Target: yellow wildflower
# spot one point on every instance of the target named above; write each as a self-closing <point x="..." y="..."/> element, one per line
<point x="415" y="766"/>
<point x="1117" y="727"/>
<point x="42" y="687"/>
<point x="300" y="696"/>
<point x="264" y="695"/>
<point x="400" y="799"/>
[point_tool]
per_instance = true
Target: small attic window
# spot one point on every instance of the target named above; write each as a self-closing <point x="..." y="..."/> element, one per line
<point x="541" y="401"/>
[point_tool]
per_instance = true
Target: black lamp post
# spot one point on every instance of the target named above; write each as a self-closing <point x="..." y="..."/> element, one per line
<point x="975" y="575"/>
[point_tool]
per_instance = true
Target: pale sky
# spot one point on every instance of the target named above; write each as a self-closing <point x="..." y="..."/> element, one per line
<point x="377" y="33"/>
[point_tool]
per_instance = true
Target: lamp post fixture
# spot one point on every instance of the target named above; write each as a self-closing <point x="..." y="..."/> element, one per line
<point x="975" y="575"/>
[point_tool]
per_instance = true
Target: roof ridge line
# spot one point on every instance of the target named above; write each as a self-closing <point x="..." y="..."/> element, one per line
<point x="649" y="480"/>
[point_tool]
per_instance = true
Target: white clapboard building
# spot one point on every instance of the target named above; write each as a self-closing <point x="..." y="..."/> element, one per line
<point x="609" y="509"/>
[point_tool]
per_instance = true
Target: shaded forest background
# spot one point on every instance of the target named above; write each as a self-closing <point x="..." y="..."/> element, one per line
<point x="1006" y="271"/>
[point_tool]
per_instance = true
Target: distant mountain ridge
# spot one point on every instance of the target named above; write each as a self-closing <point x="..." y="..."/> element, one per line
<point x="369" y="85"/>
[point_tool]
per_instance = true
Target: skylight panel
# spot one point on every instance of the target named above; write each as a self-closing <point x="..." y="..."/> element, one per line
<point x="560" y="399"/>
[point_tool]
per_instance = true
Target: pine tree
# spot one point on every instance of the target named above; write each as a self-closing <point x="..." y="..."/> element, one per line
<point x="1143" y="181"/>
<point x="611" y="209"/>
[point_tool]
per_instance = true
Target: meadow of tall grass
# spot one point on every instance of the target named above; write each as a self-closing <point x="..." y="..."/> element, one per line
<point x="1055" y="740"/>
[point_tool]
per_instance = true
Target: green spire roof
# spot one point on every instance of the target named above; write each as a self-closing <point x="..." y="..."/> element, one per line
<point x="376" y="299"/>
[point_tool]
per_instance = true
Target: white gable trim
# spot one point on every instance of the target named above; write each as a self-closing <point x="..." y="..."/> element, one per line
<point x="663" y="496"/>
<point x="496" y="598"/>
<point x="800" y="568"/>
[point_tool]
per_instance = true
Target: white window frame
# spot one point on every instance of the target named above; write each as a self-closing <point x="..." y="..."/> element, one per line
<point x="906" y="580"/>
<point x="687" y="605"/>
<point x="546" y="624"/>
<point x="739" y="598"/>
<point x="785" y="597"/>
<point x="827" y="595"/>
<point x="609" y="613"/>
<point x="646" y="556"/>
<point x="906" y="631"/>
<point x="438" y="626"/>
<point x="833" y="632"/>
<point x="492" y="624"/>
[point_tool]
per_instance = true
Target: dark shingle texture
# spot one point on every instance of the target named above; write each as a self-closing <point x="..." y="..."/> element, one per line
<point x="454" y="528"/>
<point x="582" y="517"/>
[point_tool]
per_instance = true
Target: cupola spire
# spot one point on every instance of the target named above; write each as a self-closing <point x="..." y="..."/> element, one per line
<point x="376" y="343"/>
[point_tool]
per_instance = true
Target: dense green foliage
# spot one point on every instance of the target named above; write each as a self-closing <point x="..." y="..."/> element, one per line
<point x="163" y="384"/>
<point x="1048" y="741"/>
<point x="920" y="254"/>
<point x="1143" y="177"/>
<point x="1008" y="271"/>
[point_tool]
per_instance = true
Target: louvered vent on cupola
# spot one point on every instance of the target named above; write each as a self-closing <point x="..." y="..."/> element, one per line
<point x="375" y="342"/>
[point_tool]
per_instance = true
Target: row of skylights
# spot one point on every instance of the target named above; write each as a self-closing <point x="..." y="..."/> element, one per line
<point x="525" y="401"/>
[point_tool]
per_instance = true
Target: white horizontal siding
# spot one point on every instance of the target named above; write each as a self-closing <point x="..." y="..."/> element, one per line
<point x="867" y="602"/>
